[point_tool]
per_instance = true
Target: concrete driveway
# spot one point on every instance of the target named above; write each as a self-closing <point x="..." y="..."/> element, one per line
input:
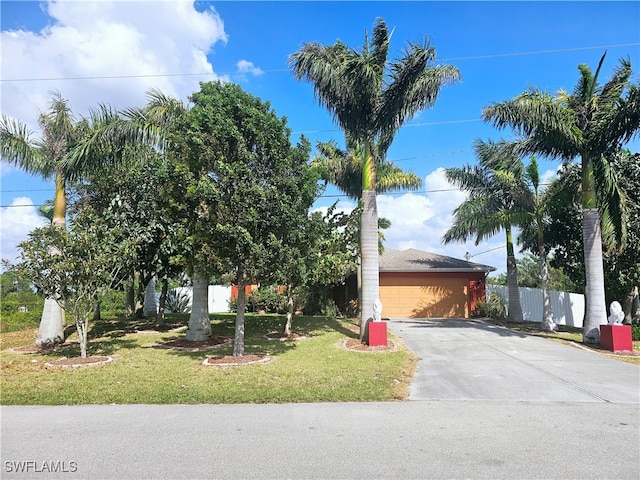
<point x="471" y="360"/>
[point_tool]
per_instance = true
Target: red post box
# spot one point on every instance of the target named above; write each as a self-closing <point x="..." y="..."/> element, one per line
<point x="377" y="334"/>
<point x="616" y="338"/>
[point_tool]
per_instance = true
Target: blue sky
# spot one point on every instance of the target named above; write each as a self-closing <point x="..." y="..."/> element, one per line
<point x="114" y="51"/>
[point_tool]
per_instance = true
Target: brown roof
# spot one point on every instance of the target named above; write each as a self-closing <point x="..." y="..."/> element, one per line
<point x="413" y="260"/>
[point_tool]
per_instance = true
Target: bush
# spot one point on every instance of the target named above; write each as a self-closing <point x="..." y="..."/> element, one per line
<point x="635" y="332"/>
<point x="177" y="302"/>
<point x="493" y="307"/>
<point x="20" y="310"/>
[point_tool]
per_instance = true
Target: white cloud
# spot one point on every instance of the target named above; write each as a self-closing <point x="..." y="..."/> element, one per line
<point x="420" y="220"/>
<point x="132" y="40"/>
<point x="246" y="67"/>
<point x="17" y="221"/>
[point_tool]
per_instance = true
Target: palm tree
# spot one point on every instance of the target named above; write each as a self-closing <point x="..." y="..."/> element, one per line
<point x="536" y="201"/>
<point x="371" y="99"/>
<point x="591" y="123"/>
<point x="343" y="168"/>
<point x="45" y="157"/>
<point x="491" y="207"/>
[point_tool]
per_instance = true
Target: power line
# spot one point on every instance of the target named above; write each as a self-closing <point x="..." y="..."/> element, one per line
<point x="277" y="70"/>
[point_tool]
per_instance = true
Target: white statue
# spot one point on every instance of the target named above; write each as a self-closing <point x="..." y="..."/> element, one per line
<point x="617" y="315"/>
<point x="377" y="310"/>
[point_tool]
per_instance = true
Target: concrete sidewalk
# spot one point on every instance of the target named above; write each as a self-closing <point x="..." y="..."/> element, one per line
<point x="472" y="360"/>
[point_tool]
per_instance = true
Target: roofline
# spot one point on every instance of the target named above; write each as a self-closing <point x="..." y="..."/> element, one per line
<point x="440" y="270"/>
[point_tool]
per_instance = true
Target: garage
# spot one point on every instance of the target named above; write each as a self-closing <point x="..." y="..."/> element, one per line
<point x="419" y="284"/>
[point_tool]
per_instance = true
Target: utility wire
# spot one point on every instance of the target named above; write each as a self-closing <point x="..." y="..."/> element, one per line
<point x="275" y="70"/>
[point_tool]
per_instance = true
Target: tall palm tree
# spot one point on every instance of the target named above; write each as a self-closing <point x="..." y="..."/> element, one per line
<point x="592" y="122"/>
<point x="490" y="208"/>
<point x="45" y="156"/>
<point x="371" y="99"/>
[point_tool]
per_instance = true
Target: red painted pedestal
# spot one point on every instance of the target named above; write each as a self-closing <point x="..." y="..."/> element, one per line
<point x="377" y="334"/>
<point x="616" y="338"/>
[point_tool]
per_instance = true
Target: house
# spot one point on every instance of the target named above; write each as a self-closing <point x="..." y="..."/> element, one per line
<point x="418" y="284"/>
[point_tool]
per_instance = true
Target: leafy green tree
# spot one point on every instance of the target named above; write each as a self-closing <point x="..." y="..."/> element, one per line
<point x="89" y="262"/>
<point x="370" y="99"/>
<point x="135" y="197"/>
<point x="592" y="123"/>
<point x="248" y="184"/>
<point x="491" y="206"/>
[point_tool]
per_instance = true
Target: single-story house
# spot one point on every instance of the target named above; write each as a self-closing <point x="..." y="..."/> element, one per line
<point x="418" y="284"/>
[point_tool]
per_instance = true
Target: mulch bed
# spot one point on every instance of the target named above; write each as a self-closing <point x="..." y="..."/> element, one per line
<point x="194" y="346"/>
<point x="356" y="345"/>
<point x="74" y="362"/>
<point x="282" y="336"/>
<point x="231" y="361"/>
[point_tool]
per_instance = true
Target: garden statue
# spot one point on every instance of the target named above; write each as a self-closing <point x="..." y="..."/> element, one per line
<point x="617" y="315"/>
<point x="377" y="310"/>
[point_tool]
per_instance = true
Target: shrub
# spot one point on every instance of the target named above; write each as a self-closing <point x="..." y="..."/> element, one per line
<point x="177" y="302"/>
<point x="635" y="332"/>
<point x="493" y="307"/>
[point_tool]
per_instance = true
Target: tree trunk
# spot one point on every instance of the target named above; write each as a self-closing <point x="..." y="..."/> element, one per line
<point x="150" y="305"/>
<point x="595" y="308"/>
<point x="51" y="328"/>
<point x="96" y="312"/>
<point x="129" y="298"/>
<point x="370" y="258"/>
<point x="161" y="303"/>
<point x="82" y="325"/>
<point x="548" y="324"/>
<point x="199" y="323"/>
<point x="238" y="339"/>
<point x="515" y="308"/>
<point x="287" y="325"/>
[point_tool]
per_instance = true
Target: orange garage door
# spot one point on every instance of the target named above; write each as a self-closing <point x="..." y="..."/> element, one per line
<point x="423" y="297"/>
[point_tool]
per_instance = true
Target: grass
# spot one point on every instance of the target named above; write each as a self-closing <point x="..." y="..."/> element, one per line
<point x="572" y="335"/>
<point x="311" y="370"/>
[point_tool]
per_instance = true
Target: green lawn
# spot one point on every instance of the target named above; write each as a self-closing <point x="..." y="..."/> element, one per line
<point x="312" y="370"/>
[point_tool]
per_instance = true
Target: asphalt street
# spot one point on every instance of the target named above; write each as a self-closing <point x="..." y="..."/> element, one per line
<point x="485" y="403"/>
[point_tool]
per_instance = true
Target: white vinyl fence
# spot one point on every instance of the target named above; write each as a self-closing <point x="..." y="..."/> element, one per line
<point x="568" y="308"/>
<point x="219" y="297"/>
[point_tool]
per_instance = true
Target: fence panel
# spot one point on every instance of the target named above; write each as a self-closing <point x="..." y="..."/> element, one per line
<point x="568" y="308"/>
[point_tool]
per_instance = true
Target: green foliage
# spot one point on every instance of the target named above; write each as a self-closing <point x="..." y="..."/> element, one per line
<point x="492" y="307"/>
<point x="635" y="332"/>
<point x="76" y="267"/>
<point x="177" y="302"/>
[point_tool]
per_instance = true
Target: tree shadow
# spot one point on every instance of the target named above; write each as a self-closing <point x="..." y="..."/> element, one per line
<point x="461" y="323"/>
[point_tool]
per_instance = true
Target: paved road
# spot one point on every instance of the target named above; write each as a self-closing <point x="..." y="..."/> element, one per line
<point x="485" y="404"/>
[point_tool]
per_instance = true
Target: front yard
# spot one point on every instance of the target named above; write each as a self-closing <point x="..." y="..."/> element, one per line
<point x="315" y="369"/>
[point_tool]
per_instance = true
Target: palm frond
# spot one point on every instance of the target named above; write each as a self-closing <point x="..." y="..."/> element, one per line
<point x="18" y="148"/>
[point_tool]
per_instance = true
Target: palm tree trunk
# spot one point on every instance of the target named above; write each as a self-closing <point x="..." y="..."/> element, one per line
<point x="199" y="323"/>
<point x="548" y="324"/>
<point x="515" y="308"/>
<point x="596" y="309"/>
<point x="370" y="258"/>
<point x="150" y="306"/>
<point x="51" y="328"/>
<point x="238" y="339"/>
